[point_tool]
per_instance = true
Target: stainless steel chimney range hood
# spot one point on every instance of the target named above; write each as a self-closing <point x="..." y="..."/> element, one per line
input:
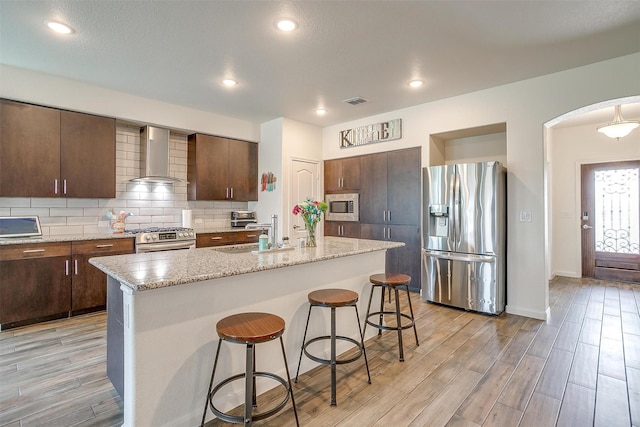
<point x="154" y="157"/>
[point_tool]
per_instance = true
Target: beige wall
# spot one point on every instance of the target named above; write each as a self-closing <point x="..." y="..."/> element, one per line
<point x="570" y="148"/>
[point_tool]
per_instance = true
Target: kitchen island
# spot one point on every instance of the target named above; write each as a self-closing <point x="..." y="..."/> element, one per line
<point x="163" y="308"/>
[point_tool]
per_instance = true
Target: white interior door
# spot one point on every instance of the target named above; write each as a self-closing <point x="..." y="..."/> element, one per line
<point x="305" y="182"/>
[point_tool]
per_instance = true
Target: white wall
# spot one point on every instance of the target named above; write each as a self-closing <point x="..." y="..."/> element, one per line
<point x="525" y="106"/>
<point x="474" y="149"/>
<point x="281" y="140"/>
<point x="569" y="148"/>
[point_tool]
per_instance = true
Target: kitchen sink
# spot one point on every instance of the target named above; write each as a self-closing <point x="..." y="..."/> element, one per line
<point x="243" y="249"/>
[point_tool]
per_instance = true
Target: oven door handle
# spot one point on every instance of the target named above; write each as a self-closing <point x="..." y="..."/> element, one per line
<point x="153" y="247"/>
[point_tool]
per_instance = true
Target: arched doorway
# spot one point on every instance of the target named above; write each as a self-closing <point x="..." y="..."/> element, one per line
<point x="571" y="141"/>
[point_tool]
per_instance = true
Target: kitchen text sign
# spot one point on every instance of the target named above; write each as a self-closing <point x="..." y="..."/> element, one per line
<point x="379" y="132"/>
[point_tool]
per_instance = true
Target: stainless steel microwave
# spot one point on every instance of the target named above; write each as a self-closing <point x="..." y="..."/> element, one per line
<point x="342" y="207"/>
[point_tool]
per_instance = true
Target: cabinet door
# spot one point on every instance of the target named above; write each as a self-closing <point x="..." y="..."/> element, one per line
<point x="406" y="259"/>
<point x="243" y="170"/>
<point x="403" y="187"/>
<point x="29" y="150"/>
<point x="249" y="236"/>
<point x="88" y="155"/>
<point x="35" y="283"/>
<point x="332" y="175"/>
<point x="208" y="167"/>
<point x="89" y="284"/>
<point x="342" y="229"/>
<point x="373" y="189"/>
<point x="351" y="173"/>
<point x="373" y="231"/>
<point x="206" y="240"/>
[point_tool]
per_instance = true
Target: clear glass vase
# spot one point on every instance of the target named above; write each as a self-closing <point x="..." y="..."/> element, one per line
<point x="311" y="234"/>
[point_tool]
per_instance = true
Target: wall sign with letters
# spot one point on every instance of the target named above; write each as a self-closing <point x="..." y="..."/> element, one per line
<point x="379" y="132"/>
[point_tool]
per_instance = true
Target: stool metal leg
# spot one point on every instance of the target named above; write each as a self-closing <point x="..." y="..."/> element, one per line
<point x="415" y="331"/>
<point x="304" y="339"/>
<point x="333" y="356"/>
<point x="248" y="384"/>
<point x="286" y="368"/>
<point x="255" y="394"/>
<point x="364" y="330"/>
<point x="399" y="324"/>
<point x="213" y="372"/>
<point x="364" y="352"/>
<point x="382" y="307"/>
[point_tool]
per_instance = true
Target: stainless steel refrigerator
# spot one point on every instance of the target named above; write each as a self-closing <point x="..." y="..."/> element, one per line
<point x="463" y="236"/>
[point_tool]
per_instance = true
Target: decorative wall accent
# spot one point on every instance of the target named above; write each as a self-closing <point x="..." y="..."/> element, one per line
<point x="379" y="132"/>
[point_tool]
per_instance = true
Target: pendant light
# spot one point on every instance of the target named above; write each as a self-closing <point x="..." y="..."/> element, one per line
<point x="619" y="127"/>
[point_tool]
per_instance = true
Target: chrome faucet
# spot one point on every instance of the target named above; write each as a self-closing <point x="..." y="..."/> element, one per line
<point x="273" y="230"/>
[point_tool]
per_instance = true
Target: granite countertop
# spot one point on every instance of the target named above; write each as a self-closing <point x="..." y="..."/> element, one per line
<point x="142" y="272"/>
<point x="63" y="238"/>
<point x="97" y="236"/>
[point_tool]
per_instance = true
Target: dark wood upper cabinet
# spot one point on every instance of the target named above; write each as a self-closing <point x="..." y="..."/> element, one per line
<point x="88" y="155"/>
<point x="221" y="169"/>
<point x="29" y="150"/>
<point x="45" y="152"/>
<point x="342" y="174"/>
<point x="390" y="188"/>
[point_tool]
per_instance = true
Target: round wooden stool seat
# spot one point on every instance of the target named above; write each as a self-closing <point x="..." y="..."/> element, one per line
<point x="333" y="297"/>
<point x="390" y="279"/>
<point x="250" y="327"/>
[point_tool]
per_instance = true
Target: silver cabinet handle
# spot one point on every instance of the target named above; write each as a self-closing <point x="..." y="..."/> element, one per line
<point x="75" y="266"/>
<point x="389" y="233"/>
<point x="64" y="186"/>
<point x="216" y="238"/>
<point x="66" y="267"/>
<point x="226" y="194"/>
<point x="232" y="192"/>
<point x="389" y="216"/>
<point x="251" y="235"/>
<point x="384" y="216"/>
<point x="105" y="246"/>
<point x="32" y="251"/>
<point x="55" y="186"/>
<point x="586" y="227"/>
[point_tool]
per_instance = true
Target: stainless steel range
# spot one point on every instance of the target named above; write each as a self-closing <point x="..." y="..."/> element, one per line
<point x="164" y="239"/>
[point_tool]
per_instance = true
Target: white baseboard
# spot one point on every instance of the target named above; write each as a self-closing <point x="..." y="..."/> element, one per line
<point x="540" y="315"/>
<point x="572" y="274"/>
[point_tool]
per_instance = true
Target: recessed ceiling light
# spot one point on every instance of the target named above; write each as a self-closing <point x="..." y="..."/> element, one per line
<point x="286" y="24"/>
<point x="59" y="27"/>
<point x="321" y="111"/>
<point x="416" y="83"/>
<point x="229" y="82"/>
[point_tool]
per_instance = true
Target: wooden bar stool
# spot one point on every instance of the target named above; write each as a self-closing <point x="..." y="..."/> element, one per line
<point x="333" y="298"/>
<point x="249" y="329"/>
<point x="391" y="282"/>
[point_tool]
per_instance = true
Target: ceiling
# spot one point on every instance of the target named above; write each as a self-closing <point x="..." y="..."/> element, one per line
<point x="179" y="51"/>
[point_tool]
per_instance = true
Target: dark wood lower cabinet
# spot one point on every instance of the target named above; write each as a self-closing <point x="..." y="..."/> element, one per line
<point x="35" y="283"/>
<point x="206" y="240"/>
<point x="404" y="260"/>
<point x="89" y="285"/>
<point x="342" y="229"/>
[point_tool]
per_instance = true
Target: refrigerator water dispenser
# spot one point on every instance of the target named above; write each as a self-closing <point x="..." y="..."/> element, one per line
<point x="439" y="218"/>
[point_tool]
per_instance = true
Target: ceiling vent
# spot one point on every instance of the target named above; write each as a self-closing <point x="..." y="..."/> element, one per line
<point x="355" y="101"/>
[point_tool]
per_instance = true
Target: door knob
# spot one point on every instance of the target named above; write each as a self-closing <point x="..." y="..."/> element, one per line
<point x="586" y="227"/>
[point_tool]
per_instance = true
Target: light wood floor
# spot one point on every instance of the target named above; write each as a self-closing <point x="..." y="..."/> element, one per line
<point x="580" y="368"/>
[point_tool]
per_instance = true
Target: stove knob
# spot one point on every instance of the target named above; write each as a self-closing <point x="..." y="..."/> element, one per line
<point x="180" y="234"/>
<point x="191" y="234"/>
<point x="155" y="237"/>
<point x="147" y="237"/>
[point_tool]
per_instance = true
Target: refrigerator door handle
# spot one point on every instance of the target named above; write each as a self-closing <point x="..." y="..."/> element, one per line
<point x="459" y="257"/>
<point x="457" y="214"/>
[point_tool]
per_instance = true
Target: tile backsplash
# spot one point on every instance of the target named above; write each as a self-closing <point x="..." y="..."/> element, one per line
<point x="152" y="205"/>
